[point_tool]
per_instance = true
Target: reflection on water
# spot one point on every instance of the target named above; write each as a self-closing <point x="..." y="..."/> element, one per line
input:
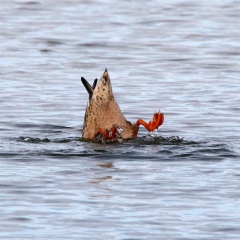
<point x="178" y="56"/>
<point x="101" y="179"/>
<point x="105" y="165"/>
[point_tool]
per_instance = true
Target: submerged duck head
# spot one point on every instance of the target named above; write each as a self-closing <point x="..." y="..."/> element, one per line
<point x="103" y="117"/>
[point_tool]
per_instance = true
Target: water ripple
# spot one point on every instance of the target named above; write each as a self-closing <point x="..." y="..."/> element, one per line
<point x="180" y="56"/>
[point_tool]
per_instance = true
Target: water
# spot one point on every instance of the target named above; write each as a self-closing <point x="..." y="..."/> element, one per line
<point x="178" y="56"/>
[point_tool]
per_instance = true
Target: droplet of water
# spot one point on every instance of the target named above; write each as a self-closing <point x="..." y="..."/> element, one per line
<point x="153" y="134"/>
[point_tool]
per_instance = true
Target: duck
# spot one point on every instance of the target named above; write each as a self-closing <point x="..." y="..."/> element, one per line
<point x="104" y="120"/>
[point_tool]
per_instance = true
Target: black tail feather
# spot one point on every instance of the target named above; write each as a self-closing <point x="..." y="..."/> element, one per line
<point x="88" y="87"/>
<point x="94" y="83"/>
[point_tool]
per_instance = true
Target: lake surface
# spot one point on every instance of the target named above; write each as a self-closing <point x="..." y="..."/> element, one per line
<point x="182" y="57"/>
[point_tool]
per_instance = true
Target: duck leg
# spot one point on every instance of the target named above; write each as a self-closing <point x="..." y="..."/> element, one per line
<point x="157" y="121"/>
<point x="111" y="135"/>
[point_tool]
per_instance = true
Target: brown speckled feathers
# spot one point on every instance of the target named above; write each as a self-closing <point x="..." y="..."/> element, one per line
<point x="103" y="112"/>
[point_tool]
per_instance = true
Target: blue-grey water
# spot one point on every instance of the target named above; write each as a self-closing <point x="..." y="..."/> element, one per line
<point x="179" y="56"/>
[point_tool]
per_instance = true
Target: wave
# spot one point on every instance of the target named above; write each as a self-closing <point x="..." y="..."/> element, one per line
<point x="173" y="148"/>
<point x="147" y="140"/>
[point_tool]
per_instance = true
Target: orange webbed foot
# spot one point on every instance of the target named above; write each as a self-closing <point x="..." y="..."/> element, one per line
<point x="112" y="135"/>
<point x="157" y="121"/>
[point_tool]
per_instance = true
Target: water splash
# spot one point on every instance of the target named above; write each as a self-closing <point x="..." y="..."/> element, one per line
<point x="153" y="134"/>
